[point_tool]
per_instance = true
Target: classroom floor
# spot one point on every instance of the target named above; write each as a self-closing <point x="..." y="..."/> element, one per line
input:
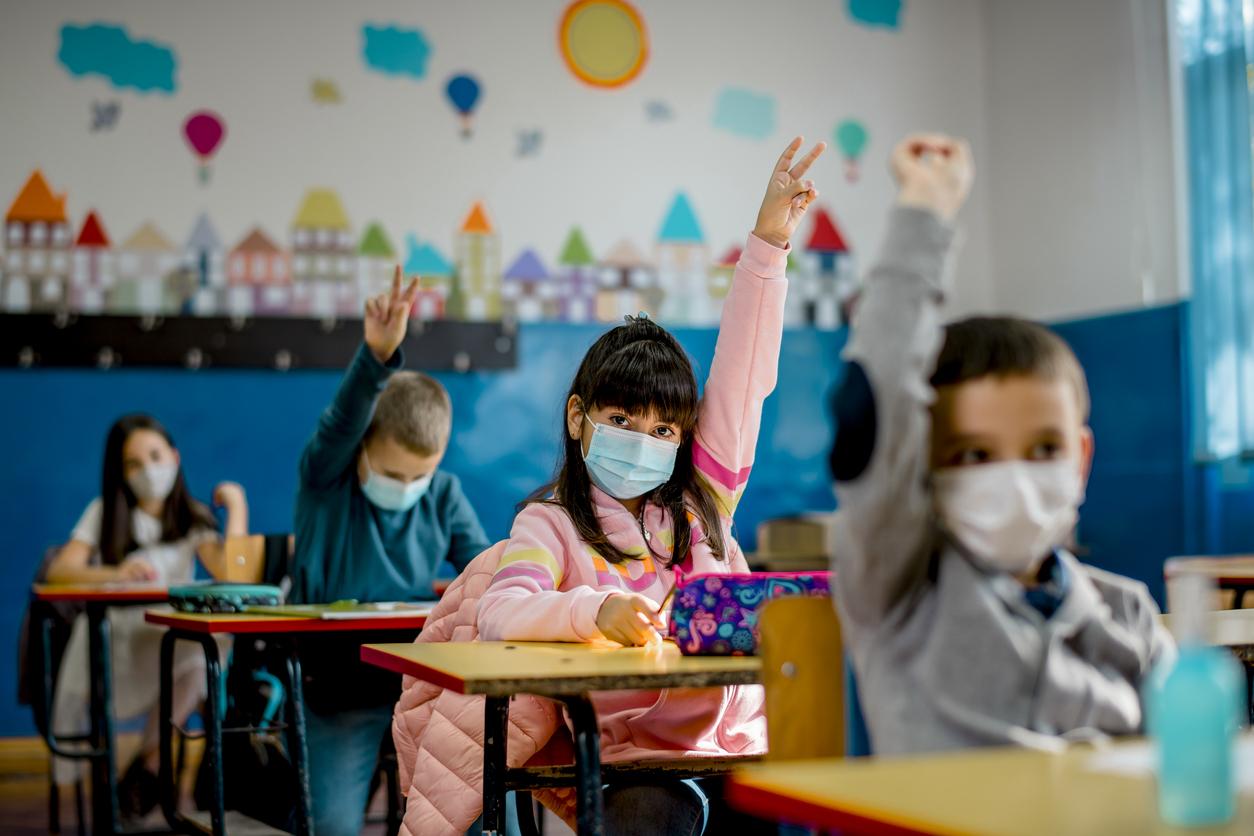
<point x="24" y="787"/>
<point x="24" y="790"/>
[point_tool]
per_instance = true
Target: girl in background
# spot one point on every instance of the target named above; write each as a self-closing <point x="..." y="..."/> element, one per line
<point x="145" y="527"/>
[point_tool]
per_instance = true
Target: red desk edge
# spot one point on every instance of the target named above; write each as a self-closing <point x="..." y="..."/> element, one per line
<point x="50" y="592"/>
<point x="389" y="662"/>
<point x="791" y="810"/>
<point x="283" y="624"/>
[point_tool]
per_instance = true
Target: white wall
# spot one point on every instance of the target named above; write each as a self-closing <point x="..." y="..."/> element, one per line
<point x="1081" y="169"/>
<point x="392" y="148"/>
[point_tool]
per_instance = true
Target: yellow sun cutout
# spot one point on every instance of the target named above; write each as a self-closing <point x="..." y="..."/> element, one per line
<point x="603" y="41"/>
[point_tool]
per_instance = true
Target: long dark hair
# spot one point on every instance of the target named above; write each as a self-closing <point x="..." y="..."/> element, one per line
<point x="179" y="516"/>
<point x="637" y="367"/>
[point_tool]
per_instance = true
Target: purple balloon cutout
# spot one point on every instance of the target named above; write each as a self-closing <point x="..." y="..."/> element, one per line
<point x="204" y="131"/>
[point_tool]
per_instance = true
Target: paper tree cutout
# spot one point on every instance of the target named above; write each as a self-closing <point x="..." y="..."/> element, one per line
<point x="575" y="252"/>
<point x="375" y="243"/>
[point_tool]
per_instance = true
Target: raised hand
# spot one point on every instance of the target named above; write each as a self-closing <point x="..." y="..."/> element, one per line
<point x="229" y="495"/>
<point x="787" y="195"/>
<point x="934" y="172"/>
<point x="387" y="317"/>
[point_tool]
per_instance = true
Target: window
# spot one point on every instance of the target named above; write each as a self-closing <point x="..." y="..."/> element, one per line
<point x="60" y="235"/>
<point x="16" y="233"/>
<point x="259" y="266"/>
<point x="38" y="233"/>
<point x="239" y="267"/>
<point x="302" y="238"/>
<point x="1215" y="39"/>
<point x="277" y="267"/>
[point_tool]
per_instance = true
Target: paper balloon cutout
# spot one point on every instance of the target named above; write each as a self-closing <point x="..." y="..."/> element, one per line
<point x="851" y="138"/>
<point x="463" y="93"/>
<point x="204" y="131"/>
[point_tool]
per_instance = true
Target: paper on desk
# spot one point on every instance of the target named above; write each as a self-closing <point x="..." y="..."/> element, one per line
<point x="1139" y="759"/>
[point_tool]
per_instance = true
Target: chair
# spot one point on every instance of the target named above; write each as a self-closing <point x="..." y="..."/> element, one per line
<point x="804" y="674"/>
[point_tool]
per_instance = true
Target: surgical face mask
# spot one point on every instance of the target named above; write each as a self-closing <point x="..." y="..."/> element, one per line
<point x="627" y="464"/>
<point x="154" y="482"/>
<point x="393" y="494"/>
<point x="1009" y="515"/>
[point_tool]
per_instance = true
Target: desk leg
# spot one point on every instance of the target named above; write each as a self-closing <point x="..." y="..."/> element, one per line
<point x="214" y="712"/>
<point x="495" y="738"/>
<point x="104" y="775"/>
<point x="297" y="745"/>
<point x="165" y="720"/>
<point x="590" y="803"/>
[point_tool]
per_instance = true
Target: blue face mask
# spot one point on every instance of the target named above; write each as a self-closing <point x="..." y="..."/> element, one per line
<point x="393" y="494"/>
<point x="627" y="464"/>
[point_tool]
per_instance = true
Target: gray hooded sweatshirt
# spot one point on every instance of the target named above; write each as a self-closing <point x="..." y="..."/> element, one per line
<point x="947" y="652"/>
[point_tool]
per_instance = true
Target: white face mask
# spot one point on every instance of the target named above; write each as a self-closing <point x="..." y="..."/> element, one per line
<point x="154" y="481"/>
<point x="1009" y="515"/>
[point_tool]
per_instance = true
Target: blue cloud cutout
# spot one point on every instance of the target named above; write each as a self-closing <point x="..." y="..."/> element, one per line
<point x="392" y="50"/>
<point x="885" y="13"/>
<point x="745" y="113"/>
<point x="107" y="50"/>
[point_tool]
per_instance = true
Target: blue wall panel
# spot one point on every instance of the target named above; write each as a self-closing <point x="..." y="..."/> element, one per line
<point x="250" y="426"/>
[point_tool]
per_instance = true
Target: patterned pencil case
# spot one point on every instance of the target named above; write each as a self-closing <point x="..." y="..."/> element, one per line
<point x="717" y="615"/>
<point x="223" y="597"/>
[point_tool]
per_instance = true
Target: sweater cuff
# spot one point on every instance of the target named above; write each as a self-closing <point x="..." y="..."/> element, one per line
<point x="764" y="260"/>
<point x="371" y="369"/>
<point x="583" y="616"/>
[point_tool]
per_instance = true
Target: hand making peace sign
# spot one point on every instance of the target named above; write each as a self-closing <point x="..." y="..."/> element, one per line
<point x="787" y="196"/>
<point x="387" y="317"/>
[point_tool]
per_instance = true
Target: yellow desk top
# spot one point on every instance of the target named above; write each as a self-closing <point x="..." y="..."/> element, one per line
<point x="1232" y="570"/>
<point x="999" y="792"/>
<point x="1227" y="628"/>
<point x="555" y="668"/>
<point x="122" y="592"/>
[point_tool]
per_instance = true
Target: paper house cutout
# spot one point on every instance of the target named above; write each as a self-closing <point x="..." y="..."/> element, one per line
<point x="37" y="241"/>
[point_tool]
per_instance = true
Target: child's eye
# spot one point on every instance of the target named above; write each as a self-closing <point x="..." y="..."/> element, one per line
<point x="969" y="456"/>
<point x="664" y="432"/>
<point x="1045" y="451"/>
<point x="620" y="421"/>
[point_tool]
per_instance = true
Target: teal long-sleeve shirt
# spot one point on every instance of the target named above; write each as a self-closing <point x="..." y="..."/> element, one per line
<point x="346" y="547"/>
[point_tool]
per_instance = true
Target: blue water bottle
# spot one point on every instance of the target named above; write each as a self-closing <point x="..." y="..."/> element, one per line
<point x="1195" y="711"/>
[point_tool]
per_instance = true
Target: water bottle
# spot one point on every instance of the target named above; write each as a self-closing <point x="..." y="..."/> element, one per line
<point x="1194" y="713"/>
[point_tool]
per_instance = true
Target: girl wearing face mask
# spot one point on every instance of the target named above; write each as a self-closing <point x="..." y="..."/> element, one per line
<point x="648" y="481"/>
<point x="145" y="527"/>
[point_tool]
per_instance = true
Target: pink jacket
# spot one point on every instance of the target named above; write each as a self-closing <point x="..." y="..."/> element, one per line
<point x="548" y="586"/>
<point x="439" y="734"/>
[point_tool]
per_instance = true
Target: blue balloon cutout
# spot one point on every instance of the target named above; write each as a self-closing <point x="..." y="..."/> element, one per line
<point x="463" y="92"/>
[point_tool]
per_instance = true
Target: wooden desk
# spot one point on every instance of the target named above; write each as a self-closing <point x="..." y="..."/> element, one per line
<point x="202" y="628"/>
<point x="565" y="672"/>
<point x="1233" y="572"/>
<point x="249" y="623"/>
<point x="998" y="792"/>
<point x="101" y="746"/>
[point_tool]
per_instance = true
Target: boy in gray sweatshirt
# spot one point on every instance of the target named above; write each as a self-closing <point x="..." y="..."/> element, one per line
<point x="960" y="462"/>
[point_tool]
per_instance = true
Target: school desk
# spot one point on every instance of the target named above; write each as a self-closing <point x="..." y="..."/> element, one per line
<point x="567" y="673"/>
<point x="100" y="750"/>
<point x="201" y="628"/>
<point x="1234" y="572"/>
<point x="997" y="792"/>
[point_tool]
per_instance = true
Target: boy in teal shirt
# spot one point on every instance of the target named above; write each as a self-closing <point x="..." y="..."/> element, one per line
<point x="375" y="518"/>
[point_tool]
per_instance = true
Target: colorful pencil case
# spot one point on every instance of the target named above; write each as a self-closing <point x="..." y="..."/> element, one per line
<point x="223" y="597"/>
<point x="717" y="615"/>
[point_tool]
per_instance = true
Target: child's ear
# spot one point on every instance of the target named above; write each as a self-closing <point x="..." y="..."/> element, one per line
<point x="574" y="417"/>
<point x="1086" y="454"/>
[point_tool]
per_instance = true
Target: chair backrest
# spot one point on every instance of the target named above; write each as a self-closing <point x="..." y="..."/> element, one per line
<point x="252" y="558"/>
<point x="804" y="674"/>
